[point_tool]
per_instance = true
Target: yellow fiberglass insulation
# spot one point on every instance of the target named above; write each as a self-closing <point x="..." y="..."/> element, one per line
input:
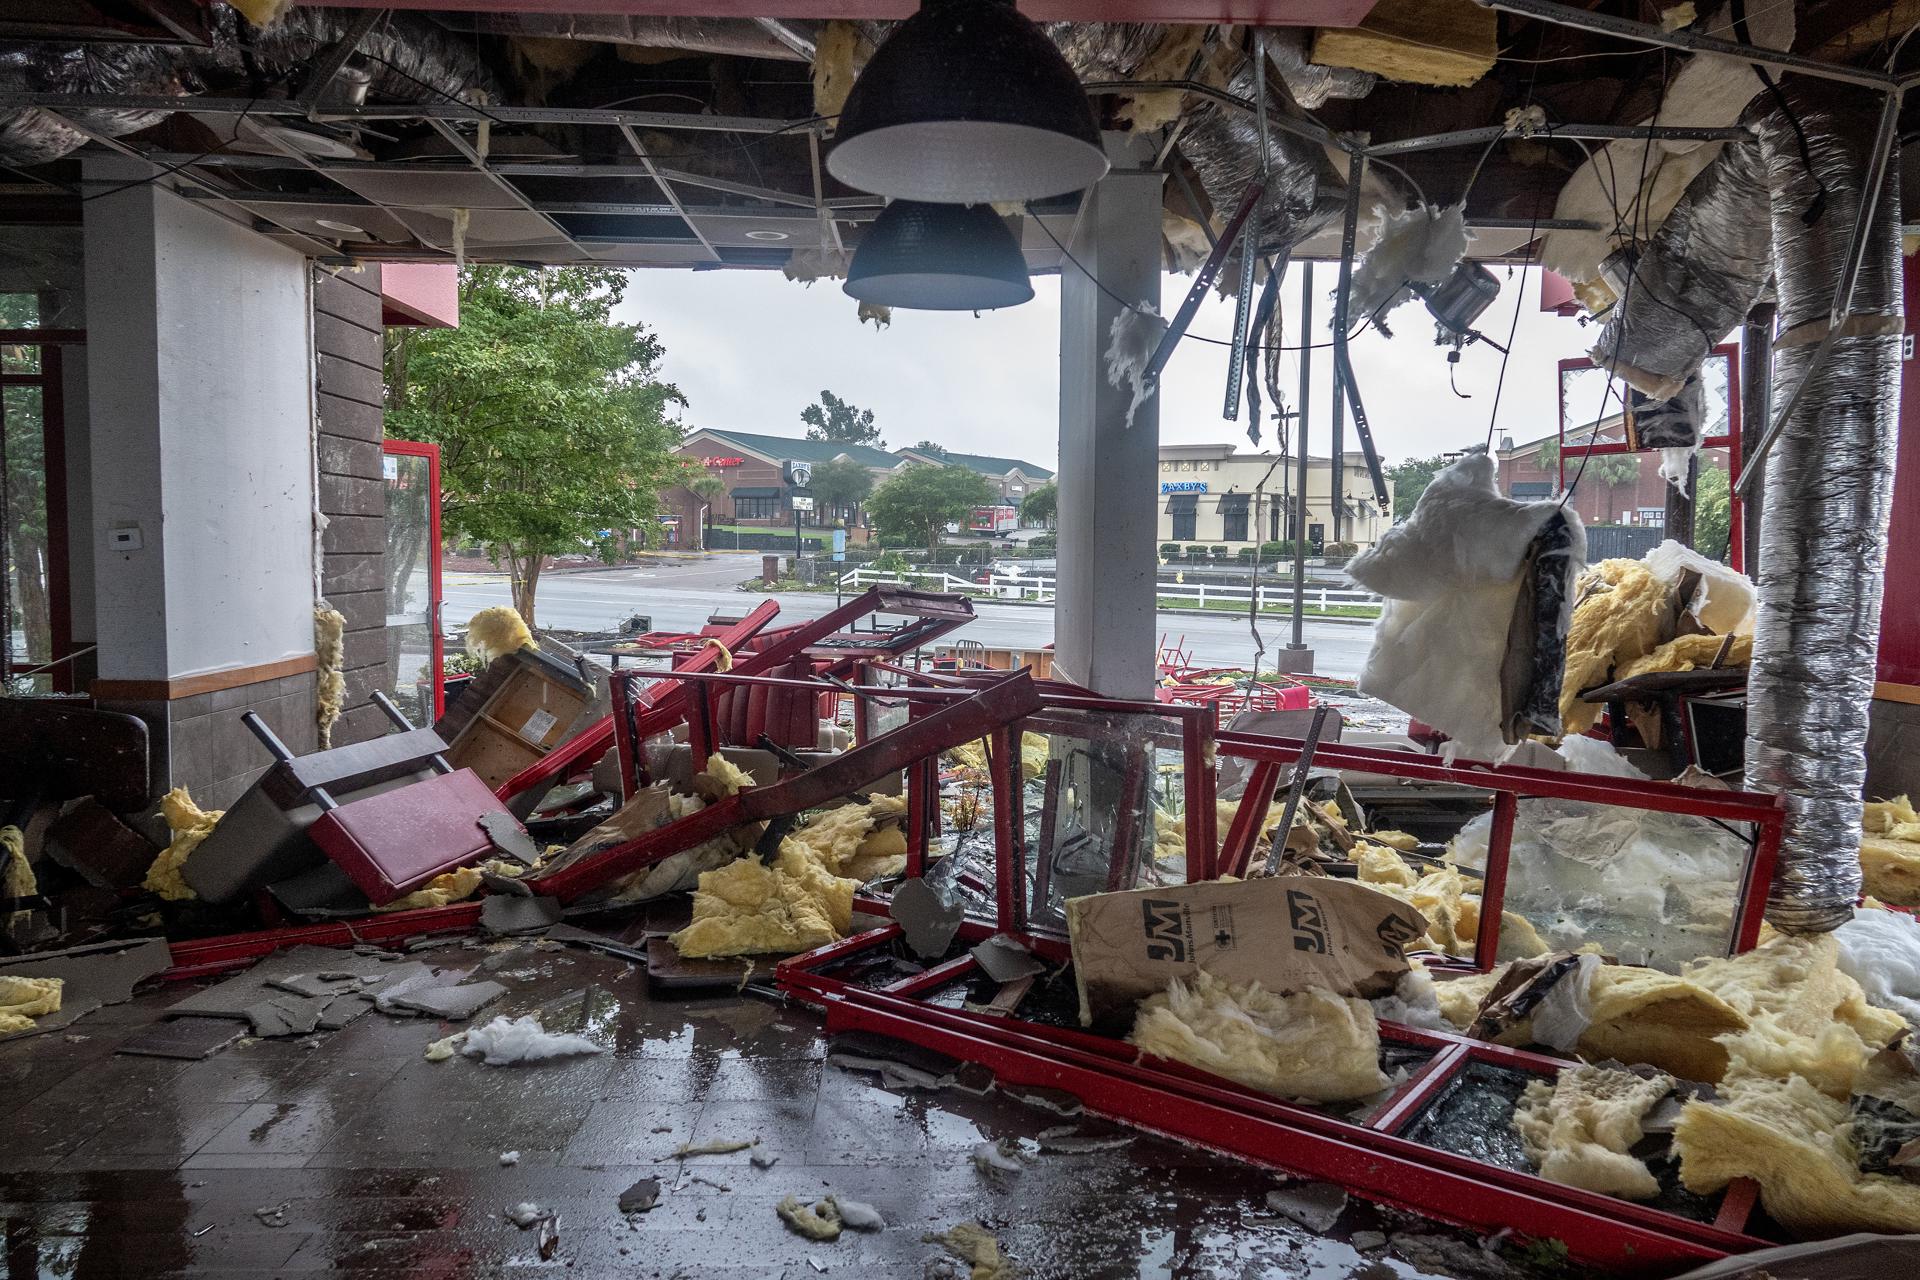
<point x="190" y="825"/>
<point x="1380" y="865"/>
<point x="1309" y="1044"/>
<point x="24" y="999"/>
<point x="497" y="631"/>
<point x="850" y="841"/>
<point x="1618" y="618"/>
<point x="329" y="652"/>
<point x="1034" y="749"/>
<point x="1797" y="1143"/>
<point x="1805" y="1017"/>
<point x="454" y="886"/>
<point x="1451" y="903"/>
<point x="18" y="880"/>
<point x="1579" y="1129"/>
<point x="1636" y="1016"/>
<point x="1685" y="653"/>
<point x="721" y="778"/>
<point x="1399" y="840"/>
<point x="1890" y="851"/>
<point x="748" y="907"/>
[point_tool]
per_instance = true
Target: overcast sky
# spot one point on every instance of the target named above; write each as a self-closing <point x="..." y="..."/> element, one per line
<point x="750" y="350"/>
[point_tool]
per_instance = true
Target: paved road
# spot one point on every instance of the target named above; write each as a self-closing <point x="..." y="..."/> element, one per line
<point x="678" y="596"/>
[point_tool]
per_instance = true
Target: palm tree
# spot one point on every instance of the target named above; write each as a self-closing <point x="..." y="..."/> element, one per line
<point x="706" y="487"/>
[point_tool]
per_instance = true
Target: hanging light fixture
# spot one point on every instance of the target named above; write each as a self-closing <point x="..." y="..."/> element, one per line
<point x="939" y="257"/>
<point x="967" y="102"/>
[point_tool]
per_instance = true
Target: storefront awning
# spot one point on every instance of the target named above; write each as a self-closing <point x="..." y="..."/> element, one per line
<point x="1233" y="504"/>
<point x="1182" y="504"/>
<point x="763" y="491"/>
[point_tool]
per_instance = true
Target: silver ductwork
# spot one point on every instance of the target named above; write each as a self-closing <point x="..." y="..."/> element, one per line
<point x="742" y="37"/>
<point x="1696" y="280"/>
<point x="1829" y="482"/>
<point x="1310" y="85"/>
<point x="406" y="58"/>
<point x="1223" y="144"/>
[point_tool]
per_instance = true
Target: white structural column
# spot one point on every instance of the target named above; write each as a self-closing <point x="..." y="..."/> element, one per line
<point x="1108" y="514"/>
<point x="200" y="373"/>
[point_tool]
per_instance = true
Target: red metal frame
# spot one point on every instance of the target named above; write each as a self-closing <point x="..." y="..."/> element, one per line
<point x="1373" y="1158"/>
<point x="1730" y="352"/>
<point x="199" y="957"/>
<point x="435" y="594"/>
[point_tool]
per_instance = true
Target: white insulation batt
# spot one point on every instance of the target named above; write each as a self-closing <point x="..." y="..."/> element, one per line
<point x="1880" y="950"/>
<point x="1630" y="185"/>
<point x="1451" y="573"/>
<point x="1418" y="246"/>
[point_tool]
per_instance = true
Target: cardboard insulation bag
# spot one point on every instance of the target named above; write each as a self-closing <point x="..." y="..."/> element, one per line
<point x="1287" y="933"/>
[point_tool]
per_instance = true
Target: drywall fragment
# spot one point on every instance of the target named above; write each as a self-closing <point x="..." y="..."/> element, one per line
<point x="503" y="914"/>
<point x="928" y="922"/>
<point x="1313" y="1205"/>
<point x="1005" y="960"/>
<point x="641" y="1196"/>
<point x="455" y="1003"/>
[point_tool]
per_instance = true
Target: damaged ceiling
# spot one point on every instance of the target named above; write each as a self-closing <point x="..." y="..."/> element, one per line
<point x="659" y="141"/>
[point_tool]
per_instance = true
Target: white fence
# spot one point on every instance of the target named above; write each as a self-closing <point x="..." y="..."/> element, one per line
<point x="1040" y="588"/>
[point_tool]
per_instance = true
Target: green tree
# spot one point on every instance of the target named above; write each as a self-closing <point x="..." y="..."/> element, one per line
<point x="706" y="486"/>
<point x="551" y="425"/>
<point x="841" y="422"/>
<point x="1041" y="506"/>
<point x="1712" y="513"/>
<point x="921" y="501"/>
<point x="841" y="483"/>
<point x="1410" y="480"/>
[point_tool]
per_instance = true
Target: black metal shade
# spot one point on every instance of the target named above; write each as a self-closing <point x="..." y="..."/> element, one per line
<point x="939" y="257"/>
<point x="967" y="102"/>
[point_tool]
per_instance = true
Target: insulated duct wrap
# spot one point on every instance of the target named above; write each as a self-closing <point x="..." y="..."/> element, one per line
<point x="1223" y="145"/>
<point x="1309" y="84"/>
<point x="406" y="57"/>
<point x="1828" y="486"/>
<point x="1698" y="278"/>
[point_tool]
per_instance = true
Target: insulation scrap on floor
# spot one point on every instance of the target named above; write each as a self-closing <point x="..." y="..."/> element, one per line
<point x="1579" y="1129"/>
<point x="505" y="1041"/>
<point x="976" y="1246"/>
<point x="1308" y="1044"/>
<point x="496" y="631"/>
<point x="817" y="1221"/>
<point x="1797" y="1143"/>
<point x="1380" y="865"/>
<point x="1452" y="574"/>
<point x="748" y="907"/>
<point x="190" y="825"/>
<point x="22" y="1000"/>
<point x="972" y="756"/>
<point x="18" y="880"/>
<point x="1890" y="851"/>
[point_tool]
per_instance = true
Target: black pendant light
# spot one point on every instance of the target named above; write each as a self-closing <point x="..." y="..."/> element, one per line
<point x="939" y="257"/>
<point x="967" y="102"/>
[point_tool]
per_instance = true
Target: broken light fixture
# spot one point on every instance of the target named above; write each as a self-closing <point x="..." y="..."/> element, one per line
<point x="967" y="101"/>
<point x="939" y="257"/>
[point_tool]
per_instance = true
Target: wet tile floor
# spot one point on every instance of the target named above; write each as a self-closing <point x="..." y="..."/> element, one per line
<point x="384" y="1164"/>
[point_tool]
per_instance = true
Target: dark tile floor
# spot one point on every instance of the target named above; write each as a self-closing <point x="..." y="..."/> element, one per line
<point x="386" y="1164"/>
